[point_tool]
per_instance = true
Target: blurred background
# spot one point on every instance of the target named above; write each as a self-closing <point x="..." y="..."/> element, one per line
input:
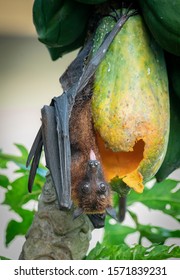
<point x="29" y="80"/>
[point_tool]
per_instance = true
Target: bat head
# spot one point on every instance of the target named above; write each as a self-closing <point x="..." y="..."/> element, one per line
<point x="94" y="193"/>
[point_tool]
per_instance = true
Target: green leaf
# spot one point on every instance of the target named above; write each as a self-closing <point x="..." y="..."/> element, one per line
<point x="113" y="252"/>
<point x="4" y="258"/>
<point x="23" y="150"/>
<point x="4" y="181"/>
<point x="15" y="228"/>
<point x="157" y="234"/>
<point x="116" y="233"/>
<point x="3" y="161"/>
<point x="162" y="252"/>
<point x="43" y="11"/>
<point x="162" y="196"/>
<point x="155" y="252"/>
<point x="5" y="158"/>
<point x="138" y="252"/>
<point x="14" y="196"/>
<point x="20" y="161"/>
<point x="18" y="195"/>
<point x="61" y="25"/>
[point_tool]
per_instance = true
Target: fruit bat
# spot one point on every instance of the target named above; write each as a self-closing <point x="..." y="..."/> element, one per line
<point x="93" y="192"/>
<point x="68" y="137"/>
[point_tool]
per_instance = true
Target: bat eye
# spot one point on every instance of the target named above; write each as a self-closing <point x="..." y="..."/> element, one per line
<point x="102" y="188"/>
<point x="91" y="163"/>
<point x="85" y="188"/>
<point x="96" y="163"/>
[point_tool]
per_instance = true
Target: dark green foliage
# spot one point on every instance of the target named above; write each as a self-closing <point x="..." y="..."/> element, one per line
<point x="172" y="158"/>
<point x="61" y="25"/>
<point x="162" y="19"/>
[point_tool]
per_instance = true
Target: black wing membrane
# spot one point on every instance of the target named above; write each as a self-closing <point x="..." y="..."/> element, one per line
<point x="63" y="106"/>
<point x="52" y="155"/>
<point x="35" y="154"/>
<point x="54" y="132"/>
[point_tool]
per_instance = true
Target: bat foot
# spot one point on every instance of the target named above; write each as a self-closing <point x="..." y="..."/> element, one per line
<point x="122" y="209"/>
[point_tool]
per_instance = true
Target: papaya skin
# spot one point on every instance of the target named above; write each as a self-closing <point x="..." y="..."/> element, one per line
<point x="130" y="105"/>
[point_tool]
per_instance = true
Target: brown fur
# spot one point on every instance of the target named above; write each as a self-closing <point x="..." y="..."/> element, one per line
<point x="83" y="140"/>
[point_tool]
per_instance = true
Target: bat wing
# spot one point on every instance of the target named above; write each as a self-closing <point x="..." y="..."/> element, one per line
<point x="53" y="143"/>
<point x="62" y="109"/>
<point x="34" y="155"/>
<point x="54" y="136"/>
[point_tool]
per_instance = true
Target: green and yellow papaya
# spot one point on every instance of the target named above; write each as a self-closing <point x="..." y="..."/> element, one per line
<point x="163" y="19"/>
<point x="130" y="103"/>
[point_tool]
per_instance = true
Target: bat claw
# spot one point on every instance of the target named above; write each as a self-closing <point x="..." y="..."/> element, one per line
<point x="111" y="212"/>
<point x="77" y="212"/>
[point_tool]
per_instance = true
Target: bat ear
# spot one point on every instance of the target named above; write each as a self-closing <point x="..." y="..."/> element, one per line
<point x="77" y="213"/>
<point x="111" y="212"/>
<point x="92" y="155"/>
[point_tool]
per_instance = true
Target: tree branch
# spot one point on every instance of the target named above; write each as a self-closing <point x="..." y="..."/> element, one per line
<point x="54" y="235"/>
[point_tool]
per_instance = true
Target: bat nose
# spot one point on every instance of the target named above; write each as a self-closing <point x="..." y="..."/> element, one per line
<point x="102" y="196"/>
<point x="93" y="164"/>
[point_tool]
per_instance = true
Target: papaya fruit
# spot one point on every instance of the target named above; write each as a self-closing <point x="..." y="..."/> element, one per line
<point x="172" y="159"/>
<point x="130" y="103"/>
<point x="163" y="20"/>
<point x="60" y="24"/>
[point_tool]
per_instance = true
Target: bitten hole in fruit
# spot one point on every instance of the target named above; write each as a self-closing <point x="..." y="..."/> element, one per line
<point x="120" y="163"/>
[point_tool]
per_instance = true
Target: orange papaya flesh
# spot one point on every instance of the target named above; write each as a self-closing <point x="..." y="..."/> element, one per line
<point x="122" y="163"/>
<point x="130" y="105"/>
